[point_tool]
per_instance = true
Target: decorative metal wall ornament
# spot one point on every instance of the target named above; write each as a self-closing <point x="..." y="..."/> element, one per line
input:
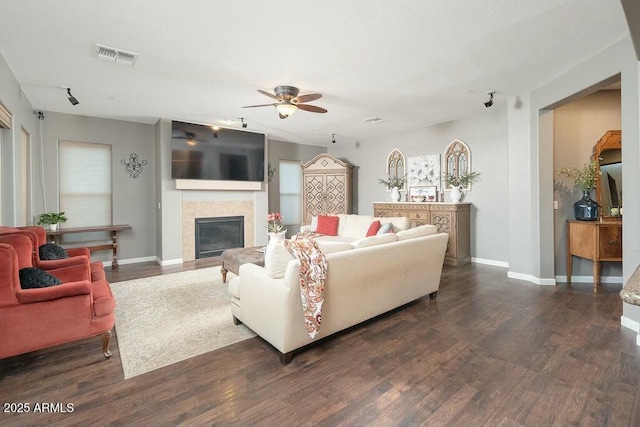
<point x="133" y="166"/>
<point x="270" y="172"/>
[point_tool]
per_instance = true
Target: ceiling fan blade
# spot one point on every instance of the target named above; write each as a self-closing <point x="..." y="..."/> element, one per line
<point x="270" y="95"/>
<point x="261" y="105"/>
<point x="311" y="108"/>
<point x="308" y="97"/>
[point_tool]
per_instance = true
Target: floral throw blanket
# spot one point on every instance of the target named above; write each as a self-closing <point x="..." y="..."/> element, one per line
<point x="313" y="273"/>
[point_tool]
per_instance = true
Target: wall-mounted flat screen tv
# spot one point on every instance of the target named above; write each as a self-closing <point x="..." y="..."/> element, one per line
<point x="205" y="152"/>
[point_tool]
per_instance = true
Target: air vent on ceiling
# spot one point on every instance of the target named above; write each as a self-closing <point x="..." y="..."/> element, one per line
<point x="373" y="120"/>
<point x="116" y="55"/>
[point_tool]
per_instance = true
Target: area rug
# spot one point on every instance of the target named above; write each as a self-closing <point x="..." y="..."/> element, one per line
<point x="165" y="319"/>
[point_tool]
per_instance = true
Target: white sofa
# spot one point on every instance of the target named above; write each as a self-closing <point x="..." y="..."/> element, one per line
<point x="352" y="226"/>
<point x="376" y="275"/>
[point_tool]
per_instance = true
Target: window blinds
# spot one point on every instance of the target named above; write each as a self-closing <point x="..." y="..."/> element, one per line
<point x="290" y="175"/>
<point x="5" y="117"/>
<point x="85" y="183"/>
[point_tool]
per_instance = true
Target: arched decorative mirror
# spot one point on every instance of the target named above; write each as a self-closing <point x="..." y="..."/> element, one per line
<point x="396" y="166"/>
<point x="457" y="160"/>
<point x="607" y="153"/>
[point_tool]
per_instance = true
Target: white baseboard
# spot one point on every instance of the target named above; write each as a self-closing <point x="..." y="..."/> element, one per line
<point x="130" y="261"/>
<point x="531" y="278"/>
<point x="589" y="279"/>
<point x="169" y="261"/>
<point x="630" y="324"/>
<point x="490" y="262"/>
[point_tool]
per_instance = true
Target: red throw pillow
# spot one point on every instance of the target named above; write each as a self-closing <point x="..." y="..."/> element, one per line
<point x="328" y="225"/>
<point x="373" y="228"/>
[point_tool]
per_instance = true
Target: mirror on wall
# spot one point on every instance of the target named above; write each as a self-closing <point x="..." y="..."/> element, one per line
<point x="457" y="160"/>
<point x="607" y="153"/>
<point x="396" y="166"/>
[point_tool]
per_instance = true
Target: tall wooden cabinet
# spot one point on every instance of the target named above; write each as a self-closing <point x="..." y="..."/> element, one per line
<point x="327" y="187"/>
<point x="451" y="218"/>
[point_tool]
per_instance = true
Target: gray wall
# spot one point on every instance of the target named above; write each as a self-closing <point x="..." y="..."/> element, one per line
<point x="531" y="248"/>
<point x="486" y="137"/>
<point x="577" y="128"/>
<point x="280" y="150"/>
<point x="133" y="198"/>
<point x="16" y="102"/>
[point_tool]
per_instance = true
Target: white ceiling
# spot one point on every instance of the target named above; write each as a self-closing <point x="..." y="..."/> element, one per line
<point x="413" y="63"/>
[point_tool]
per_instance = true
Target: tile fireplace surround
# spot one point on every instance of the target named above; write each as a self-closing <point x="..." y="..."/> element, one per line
<point x="192" y="210"/>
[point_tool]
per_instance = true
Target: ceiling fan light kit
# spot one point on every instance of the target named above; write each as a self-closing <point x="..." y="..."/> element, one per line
<point x="289" y="101"/>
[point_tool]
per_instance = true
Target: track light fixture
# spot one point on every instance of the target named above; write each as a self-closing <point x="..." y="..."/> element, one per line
<point x="244" y="125"/>
<point x="72" y="99"/>
<point x="489" y="103"/>
<point x="333" y="138"/>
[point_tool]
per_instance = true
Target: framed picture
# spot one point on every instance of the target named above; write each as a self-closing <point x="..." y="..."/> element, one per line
<point x="430" y="192"/>
<point x="423" y="170"/>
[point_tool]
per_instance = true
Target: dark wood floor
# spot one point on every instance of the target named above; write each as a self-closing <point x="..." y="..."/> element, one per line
<point x="488" y="351"/>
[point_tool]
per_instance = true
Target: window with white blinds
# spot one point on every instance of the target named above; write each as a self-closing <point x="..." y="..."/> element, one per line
<point x="85" y="183"/>
<point x="290" y="174"/>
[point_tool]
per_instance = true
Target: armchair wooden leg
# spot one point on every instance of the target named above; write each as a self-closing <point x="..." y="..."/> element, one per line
<point x="236" y="321"/>
<point x="106" y="338"/>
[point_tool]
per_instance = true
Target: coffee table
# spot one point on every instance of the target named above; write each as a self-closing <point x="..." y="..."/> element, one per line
<point x="232" y="259"/>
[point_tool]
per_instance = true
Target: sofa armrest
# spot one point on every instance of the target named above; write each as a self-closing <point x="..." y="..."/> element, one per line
<point x="305" y="228"/>
<point x="264" y="303"/>
<point x="69" y="289"/>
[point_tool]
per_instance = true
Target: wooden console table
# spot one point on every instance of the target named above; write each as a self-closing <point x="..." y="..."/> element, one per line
<point x="54" y="237"/>
<point x="451" y="218"/>
<point x="595" y="240"/>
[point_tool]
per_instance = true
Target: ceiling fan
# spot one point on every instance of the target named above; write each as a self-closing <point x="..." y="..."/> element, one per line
<point x="289" y="101"/>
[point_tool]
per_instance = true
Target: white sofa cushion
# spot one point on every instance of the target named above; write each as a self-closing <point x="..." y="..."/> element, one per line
<point x="329" y="246"/>
<point x="374" y="240"/>
<point x="276" y="258"/>
<point x="421" y="230"/>
<point x="356" y="225"/>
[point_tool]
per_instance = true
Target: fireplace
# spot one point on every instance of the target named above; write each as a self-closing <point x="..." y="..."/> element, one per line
<point x="217" y="234"/>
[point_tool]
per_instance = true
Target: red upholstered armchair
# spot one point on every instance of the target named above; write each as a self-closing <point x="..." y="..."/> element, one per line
<point x="33" y="319"/>
<point x="38" y="238"/>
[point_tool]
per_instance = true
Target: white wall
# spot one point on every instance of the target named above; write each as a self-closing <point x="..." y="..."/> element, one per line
<point x="486" y="137"/>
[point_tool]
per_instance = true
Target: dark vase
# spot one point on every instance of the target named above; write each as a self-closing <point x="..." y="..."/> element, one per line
<point x="586" y="209"/>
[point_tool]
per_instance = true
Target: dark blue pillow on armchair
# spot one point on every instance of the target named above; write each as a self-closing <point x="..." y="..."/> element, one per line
<point x="50" y="251"/>
<point x="31" y="277"/>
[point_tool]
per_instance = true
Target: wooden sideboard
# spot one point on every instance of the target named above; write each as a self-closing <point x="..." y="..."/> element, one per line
<point x="595" y="240"/>
<point x="451" y="218"/>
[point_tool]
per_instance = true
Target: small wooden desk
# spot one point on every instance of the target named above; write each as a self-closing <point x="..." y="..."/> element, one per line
<point x="595" y="240"/>
<point x="54" y="237"/>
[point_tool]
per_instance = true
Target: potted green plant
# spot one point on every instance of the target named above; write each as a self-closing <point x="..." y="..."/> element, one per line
<point x="51" y="220"/>
<point x="458" y="183"/>
<point x="393" y="183"/>
<point x="585" y="209"/>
